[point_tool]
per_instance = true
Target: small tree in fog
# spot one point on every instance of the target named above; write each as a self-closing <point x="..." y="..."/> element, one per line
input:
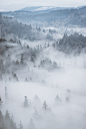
<point x="45" y="106"/>
<point x="9" y="78"/>
<point x="7" y="115"/>
<point x="26" y="80"/>
<point x="6" y="93"/>
<point x="12" y="124"/>
<point x="36" y="98"/>
<point x="68" y="90"/>
<point x="44" y="30"/>
<point x="67" y="99"/>
<point x="55" y="64"/>
<point x="15" y="77"/>
<point x="31" y="125"/>
<point x="7" y="119"/>
<point x="30" y="79"/>
<point x="28" y="46"/>
<point x="36" y="114"/>
<point x="20" y="125"/>
<point x="0" y="15"/>
<point x="37" y="102"/>
<point x="57" y="99"/>
<point x="22" y="60"/>
<point x="26" y="102"/>
<point x="17" y="62"/>
<point x="1" y="102"/>
<point x="2" y="125"/>
<point x="32" y="59"/>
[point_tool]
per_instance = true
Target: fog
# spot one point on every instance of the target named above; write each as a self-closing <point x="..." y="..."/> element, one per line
<point x="63" y="114"/>
<point x="67" y="82"/>
<point x="42" y="76"/>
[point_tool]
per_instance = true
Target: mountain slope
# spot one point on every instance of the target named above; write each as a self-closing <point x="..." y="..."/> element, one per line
<point x="52" y="15"/>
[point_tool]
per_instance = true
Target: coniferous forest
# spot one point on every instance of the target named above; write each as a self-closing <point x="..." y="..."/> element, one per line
<point x="43" y="68"/>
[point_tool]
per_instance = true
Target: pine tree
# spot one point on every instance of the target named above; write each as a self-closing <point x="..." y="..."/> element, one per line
<point x="26" y="102"/>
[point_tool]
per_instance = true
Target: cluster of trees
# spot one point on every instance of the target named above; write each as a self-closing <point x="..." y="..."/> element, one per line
<point x="2" y="40"/>
<point x="27" y="103"/>
<point x="73" y="43"/>
<point x="52" y="31"/>
<point x="7" y="121"/>
<point x="38" y="28"/>
<point x="47" y="63"/>
<point x="10" y="26"/>
<point x="8" y="64"/>
<point x="62" y="17"/>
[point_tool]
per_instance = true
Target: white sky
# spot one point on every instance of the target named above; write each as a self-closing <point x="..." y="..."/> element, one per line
<point x="11" y="5"/>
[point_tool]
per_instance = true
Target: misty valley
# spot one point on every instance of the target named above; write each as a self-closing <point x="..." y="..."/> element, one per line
<point x="43" y="68"/>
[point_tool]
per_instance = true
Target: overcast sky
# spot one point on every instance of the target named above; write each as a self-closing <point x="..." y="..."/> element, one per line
<point x="11" y="5"/>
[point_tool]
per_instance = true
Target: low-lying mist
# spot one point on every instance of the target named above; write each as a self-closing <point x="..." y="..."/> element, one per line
<point x="64" y="92"/>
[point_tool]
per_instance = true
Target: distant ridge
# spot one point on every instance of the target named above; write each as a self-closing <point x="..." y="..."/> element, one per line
<point x="57" y="16"/>
<point x="43" y="8"/>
